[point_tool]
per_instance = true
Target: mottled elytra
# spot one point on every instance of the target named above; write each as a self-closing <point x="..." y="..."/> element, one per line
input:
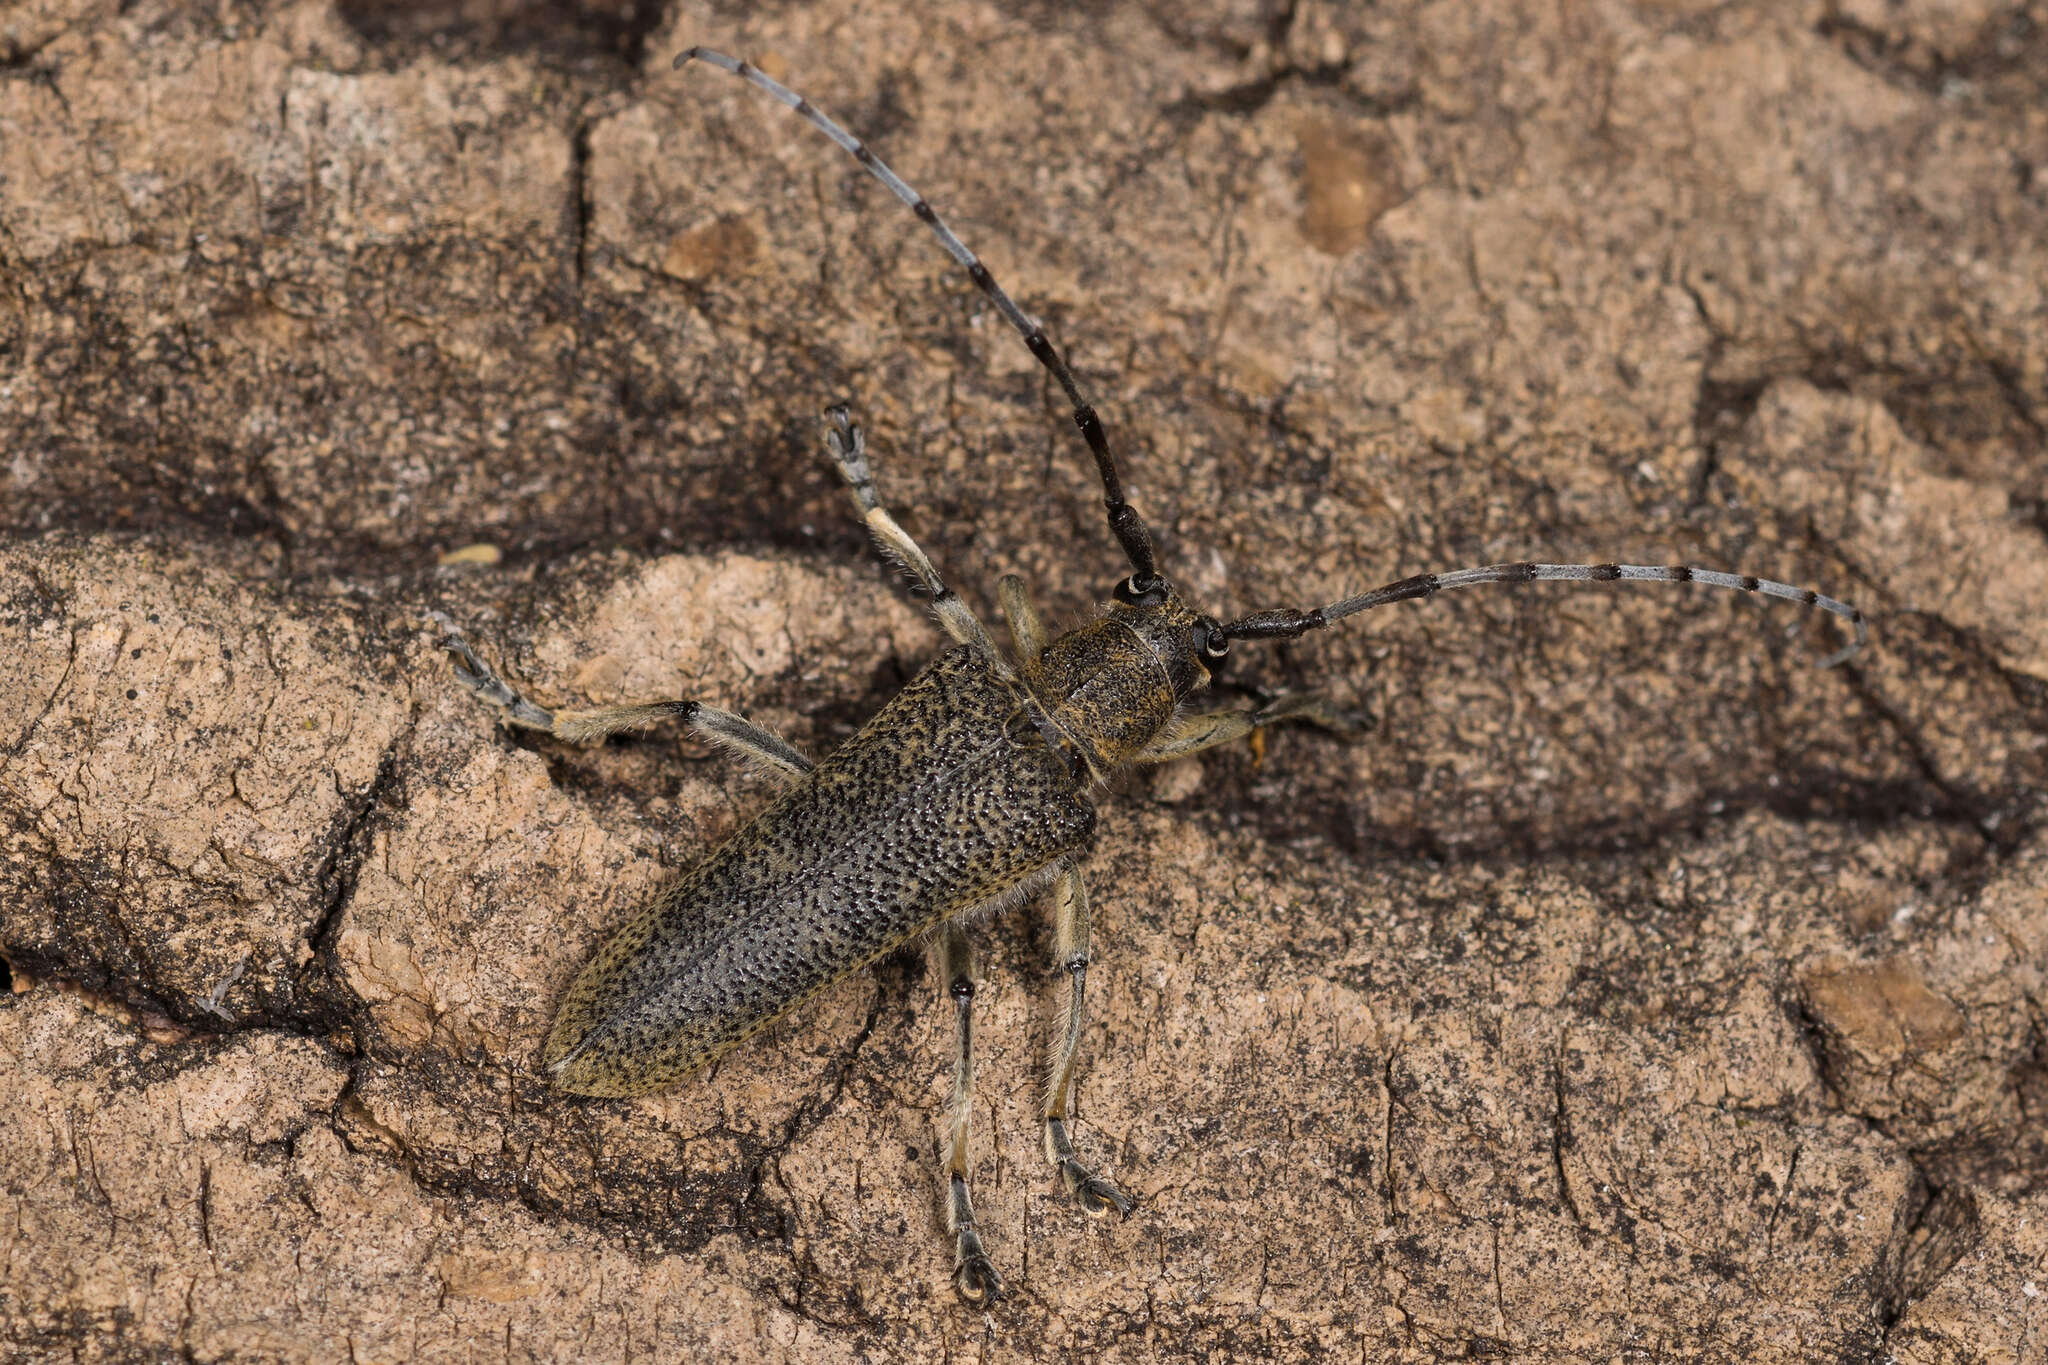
<point x="969" y="791"/>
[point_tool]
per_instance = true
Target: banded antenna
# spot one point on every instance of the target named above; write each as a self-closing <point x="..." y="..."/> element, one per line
<point x="1124" y="520"/>
<point x="1145" y="582"/>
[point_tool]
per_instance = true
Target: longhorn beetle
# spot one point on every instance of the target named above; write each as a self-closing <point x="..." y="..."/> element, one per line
<point x="967" y="792"/>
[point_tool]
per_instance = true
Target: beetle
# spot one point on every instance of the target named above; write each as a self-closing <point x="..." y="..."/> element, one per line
<point x="968" y="792"/>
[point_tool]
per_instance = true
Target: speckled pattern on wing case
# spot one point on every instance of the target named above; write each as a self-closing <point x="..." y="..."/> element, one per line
<point x="929" y="810"/>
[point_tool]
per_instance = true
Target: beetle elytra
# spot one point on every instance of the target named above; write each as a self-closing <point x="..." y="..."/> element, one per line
<point x="969" y="790"/>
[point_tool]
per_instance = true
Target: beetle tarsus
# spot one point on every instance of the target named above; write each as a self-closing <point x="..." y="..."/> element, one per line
<point x="974" y="1276"/>
<point x="1096" y="1196"/>
<point x="476" y="675"/>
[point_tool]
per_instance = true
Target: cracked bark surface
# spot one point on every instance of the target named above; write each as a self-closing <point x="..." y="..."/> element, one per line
<point x="1634" y="991"/>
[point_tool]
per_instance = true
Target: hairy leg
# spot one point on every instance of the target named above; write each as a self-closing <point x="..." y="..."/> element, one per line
<point x="723" y="728"/>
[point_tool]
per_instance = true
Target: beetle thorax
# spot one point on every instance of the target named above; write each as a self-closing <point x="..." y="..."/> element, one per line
<point x="1113" y="685"/>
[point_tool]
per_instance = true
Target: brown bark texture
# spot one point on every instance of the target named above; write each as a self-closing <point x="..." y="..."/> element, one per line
<point x="1632" y="991"/>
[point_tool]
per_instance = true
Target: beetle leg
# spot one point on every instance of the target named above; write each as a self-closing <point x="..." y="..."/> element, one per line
<point x="723" y="728"/>
<point x="1207" y="729"/>
<point x="733" y="733"/>
<point x="476" y="675"/>
<point x="974" y="1278"/>
<point x="1070" y="909"/>
<point x="1027" y="628"/>
<point x="849" y="447"/>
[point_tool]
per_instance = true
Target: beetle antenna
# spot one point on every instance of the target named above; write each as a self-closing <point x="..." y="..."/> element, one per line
<point x="1286" y="623"/>
<point x="1124" y="520"/>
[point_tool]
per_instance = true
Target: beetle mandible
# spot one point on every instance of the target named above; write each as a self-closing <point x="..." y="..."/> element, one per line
<point x="968" y="792"/>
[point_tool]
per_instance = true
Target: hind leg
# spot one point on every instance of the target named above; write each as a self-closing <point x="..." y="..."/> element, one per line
<point x="974" y="1278"/>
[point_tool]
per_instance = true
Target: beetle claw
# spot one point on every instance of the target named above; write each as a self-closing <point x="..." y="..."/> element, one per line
<point x="1099" y="1198"/>
<point x="975" y="1280"/>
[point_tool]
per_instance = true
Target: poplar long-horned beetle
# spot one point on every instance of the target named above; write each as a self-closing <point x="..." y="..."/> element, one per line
<point x="968" y="791"/>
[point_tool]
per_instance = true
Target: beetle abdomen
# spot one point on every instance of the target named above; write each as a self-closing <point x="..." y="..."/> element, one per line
<point x="933" y="808"/>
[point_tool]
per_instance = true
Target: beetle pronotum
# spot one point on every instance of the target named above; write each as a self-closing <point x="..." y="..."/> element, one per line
<point x="970" y="790"/>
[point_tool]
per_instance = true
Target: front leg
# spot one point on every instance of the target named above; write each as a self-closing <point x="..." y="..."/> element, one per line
<point x="849" y="449"/>
<point x="1027" y="628"/>
<point x="1206" y="730"/>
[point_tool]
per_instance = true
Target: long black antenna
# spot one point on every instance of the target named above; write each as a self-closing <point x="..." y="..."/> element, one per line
<point x="1124" y="520"/>
<point x="1286" y="623"/>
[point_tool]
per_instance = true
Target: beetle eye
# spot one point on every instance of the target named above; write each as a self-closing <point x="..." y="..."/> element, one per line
<point x="1132" y="593"/>
<point x="1210" y="640"/>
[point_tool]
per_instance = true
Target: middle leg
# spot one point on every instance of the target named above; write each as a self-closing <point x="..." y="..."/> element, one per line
<point x="1070" y="909"/>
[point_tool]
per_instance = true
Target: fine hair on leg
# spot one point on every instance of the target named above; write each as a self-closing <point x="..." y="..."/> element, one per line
<point x="1027" y="628"/>
<point x="974" y="1278"/>
<point x="730" y="732"/>
<point x="1191" y="734"/>
<point x="1094" y="1193"/>
<point x="849" y="447"/>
